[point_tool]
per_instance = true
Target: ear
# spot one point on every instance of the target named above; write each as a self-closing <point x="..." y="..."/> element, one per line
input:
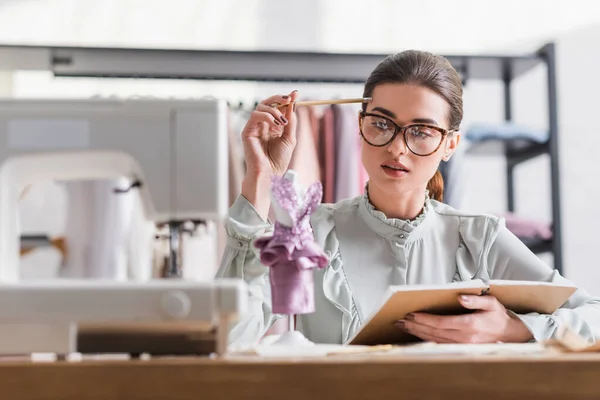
<point x="451" y="145"/>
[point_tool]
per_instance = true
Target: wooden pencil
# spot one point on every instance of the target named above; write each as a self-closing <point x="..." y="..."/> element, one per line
<point x="324" y="102"/>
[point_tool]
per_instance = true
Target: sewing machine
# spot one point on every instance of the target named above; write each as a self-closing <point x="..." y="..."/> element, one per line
<point x="174" y="152"/>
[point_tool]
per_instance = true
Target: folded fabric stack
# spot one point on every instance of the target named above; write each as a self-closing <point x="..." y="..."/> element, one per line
<point x="508" y="130"/>
<point x="526" y="228"/>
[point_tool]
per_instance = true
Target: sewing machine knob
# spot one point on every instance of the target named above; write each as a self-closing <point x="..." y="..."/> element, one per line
<point x="176" y="304"/>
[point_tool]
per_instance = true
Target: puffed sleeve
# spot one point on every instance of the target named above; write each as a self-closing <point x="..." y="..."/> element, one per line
<point x="241" y="260"/>
<point x="508" y="258"/>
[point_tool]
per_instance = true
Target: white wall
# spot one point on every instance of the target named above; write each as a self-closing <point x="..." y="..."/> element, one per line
<point x="6" y="83"/>
<point x="578" y="66"/>
<point x="456" y="26"/>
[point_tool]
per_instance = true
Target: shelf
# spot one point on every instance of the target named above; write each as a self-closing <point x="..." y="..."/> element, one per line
<point x="516" y="151"/>
<point x="538" y="245"/>
<point x="272" y="66"/>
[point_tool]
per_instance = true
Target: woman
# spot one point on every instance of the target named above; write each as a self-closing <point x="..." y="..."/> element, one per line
<point x="399" y="232"/>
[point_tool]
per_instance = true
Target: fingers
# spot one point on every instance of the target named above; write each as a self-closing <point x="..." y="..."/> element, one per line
<point x="429" y="338"/>
<point x="444" y="335"/>
<point x="489" y="303"/>
<point x="257" y="120"/>
<point x="282" y="121"/>
<point x="289" y="110"/>
<point x="457" y="322"/>
<point x="428" y="333"/>
<point x="277" y="99"/>
<point x="289" y="133"/>
<point x="484" y="326"/>
<point x="278" y="117"/>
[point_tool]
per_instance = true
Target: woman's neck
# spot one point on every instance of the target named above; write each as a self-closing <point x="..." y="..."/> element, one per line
<point x="408" y="206"/>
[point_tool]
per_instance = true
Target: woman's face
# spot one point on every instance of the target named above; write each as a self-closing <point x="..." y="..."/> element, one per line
<point x="393" y="168"/>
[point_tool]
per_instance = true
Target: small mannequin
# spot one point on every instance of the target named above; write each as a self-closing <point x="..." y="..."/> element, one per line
<point x="291" y="252"/>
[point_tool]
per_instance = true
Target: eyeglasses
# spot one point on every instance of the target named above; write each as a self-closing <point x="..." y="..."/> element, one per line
<point x="421" y="139"/>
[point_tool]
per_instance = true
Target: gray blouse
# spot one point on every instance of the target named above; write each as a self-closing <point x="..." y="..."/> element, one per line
<point x="369" y="252"/>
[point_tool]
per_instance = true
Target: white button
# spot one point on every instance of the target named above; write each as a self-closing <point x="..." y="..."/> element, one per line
<point x="402" y="236"/>
<point x="176" y="304"/>
<point x="240" y="244"/>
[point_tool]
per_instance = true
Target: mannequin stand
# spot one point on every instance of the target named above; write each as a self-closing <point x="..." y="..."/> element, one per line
<point x="292" y="337"/>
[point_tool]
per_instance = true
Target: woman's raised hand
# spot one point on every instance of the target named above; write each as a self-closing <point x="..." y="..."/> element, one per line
<point x="269" y="136"/>
<point x="269" y="139"/>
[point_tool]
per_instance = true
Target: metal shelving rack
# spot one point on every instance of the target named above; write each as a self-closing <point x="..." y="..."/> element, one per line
<point x="517" y="151"/>
<point x="281" y="66"/>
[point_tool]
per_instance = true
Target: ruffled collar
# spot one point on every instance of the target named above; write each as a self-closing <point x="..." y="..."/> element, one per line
<point x="395" y="227"/>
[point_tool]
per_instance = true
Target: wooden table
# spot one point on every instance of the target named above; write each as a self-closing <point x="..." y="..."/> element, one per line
<point x="565" y="376"/>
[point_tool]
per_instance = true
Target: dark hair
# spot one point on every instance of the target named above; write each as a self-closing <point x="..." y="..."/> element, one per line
<point x="432" y="71"/>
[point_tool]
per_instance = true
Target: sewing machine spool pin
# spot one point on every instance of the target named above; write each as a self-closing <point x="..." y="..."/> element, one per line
<point x="173" y="267"/>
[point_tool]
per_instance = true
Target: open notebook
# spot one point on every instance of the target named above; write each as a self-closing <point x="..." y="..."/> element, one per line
<point x="517" y="296"/>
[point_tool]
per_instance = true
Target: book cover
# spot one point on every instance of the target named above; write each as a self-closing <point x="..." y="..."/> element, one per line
<point x="517" y="296"/>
